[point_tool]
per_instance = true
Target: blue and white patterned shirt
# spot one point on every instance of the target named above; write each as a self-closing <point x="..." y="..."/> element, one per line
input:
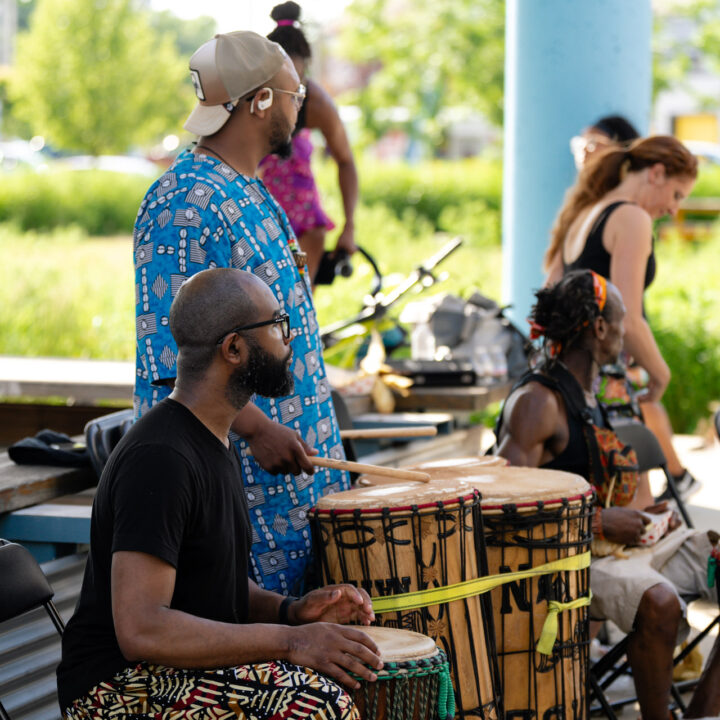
<point x="202" y="214"/>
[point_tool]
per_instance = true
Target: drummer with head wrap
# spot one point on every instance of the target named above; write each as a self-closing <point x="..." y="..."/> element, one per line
<point x="551" y="419"/>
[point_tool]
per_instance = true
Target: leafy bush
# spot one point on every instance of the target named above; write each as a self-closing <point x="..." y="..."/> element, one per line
<point x="683" y="312"/>
<point x="458" y="197"/>
<point x="99" y="202"/>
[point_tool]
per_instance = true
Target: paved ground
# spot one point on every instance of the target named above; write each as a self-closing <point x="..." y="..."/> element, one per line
<point x="702" y="457"/>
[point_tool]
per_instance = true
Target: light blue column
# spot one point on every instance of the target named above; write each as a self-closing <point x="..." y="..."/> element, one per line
<point x="567" y="63"/>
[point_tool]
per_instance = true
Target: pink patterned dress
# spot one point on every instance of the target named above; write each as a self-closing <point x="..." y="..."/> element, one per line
<point x="292" y="184"/>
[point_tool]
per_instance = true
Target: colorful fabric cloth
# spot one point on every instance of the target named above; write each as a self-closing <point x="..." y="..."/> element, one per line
<point x="202" y="214"/>
<point x="263" y="691"/>
<point x="292" y="184"/>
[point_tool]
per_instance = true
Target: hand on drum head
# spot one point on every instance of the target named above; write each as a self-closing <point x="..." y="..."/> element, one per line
<point x="335" y="603"/>
<point x="334" y="650"/>
<point x="623" y="525"/>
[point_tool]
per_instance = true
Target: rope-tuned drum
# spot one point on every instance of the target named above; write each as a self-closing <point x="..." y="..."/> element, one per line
<point x="395" y="539"/>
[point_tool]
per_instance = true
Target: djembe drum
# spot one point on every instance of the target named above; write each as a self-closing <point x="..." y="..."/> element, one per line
<point x="532" y="518"/>
<point x="395" y="539"/>
<point x="414" y="683"/>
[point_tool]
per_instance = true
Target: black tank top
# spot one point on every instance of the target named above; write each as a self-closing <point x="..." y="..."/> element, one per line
<point x="595" y="257"/>
<point x="575" y="458"/>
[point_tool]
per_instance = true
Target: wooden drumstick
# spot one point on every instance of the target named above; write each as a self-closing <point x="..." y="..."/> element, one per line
<point x="396" y="473"/>
<point x="396" y="432"/>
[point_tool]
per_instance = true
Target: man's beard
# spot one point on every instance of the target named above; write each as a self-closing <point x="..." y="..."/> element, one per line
<point x="262" y="374"/>
<point x="280" y="136"/>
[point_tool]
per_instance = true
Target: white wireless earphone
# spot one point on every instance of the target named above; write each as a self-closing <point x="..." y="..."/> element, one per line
<point x="262" y="104"/>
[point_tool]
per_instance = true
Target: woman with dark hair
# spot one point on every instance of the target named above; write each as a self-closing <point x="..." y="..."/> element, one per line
<point x="605" y="225"/>
<point x="608" y="131"/>
<point x="291" y="179"/>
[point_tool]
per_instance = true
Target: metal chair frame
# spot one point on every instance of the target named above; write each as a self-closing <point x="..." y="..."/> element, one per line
<point x="25" y="588"/>
<point x="605" y="671"/>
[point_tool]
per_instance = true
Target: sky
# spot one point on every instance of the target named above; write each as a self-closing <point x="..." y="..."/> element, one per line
<point x="249" y="14"/>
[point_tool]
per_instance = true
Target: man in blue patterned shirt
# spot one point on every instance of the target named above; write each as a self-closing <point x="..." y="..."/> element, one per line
<point x="210" y="210"/>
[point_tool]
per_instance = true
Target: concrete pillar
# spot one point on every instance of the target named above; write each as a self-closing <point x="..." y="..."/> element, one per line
<point x="567" y="63"/>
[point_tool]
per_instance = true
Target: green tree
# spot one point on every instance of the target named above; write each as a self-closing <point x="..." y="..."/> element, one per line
<point x="187" y="35"/>
<point x="92" y="76"/>
<point x="686" y="37"/>
<point x="429" y="56"/>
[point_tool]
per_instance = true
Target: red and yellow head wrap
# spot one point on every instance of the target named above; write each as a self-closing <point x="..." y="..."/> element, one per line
<point x="600" y="290"/>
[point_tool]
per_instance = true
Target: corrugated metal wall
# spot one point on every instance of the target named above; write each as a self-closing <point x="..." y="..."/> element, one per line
<point x="30" y="647"/>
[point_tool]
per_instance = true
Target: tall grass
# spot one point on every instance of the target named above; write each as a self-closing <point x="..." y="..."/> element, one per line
<point x="66" y="293"/>
<point x="63" y="294"/>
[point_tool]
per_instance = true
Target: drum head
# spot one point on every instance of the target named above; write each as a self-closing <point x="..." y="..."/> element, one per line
<point x="397" y="645"/>
<point x="438" y="466"/>
<point x="403" y="494"/>
<point x="521" y="485"/>
<point x="497" y="484"/>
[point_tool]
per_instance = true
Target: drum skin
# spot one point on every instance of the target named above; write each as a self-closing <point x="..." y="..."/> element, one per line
<point x="402" y="652"/>
<point x="411" y="536"/>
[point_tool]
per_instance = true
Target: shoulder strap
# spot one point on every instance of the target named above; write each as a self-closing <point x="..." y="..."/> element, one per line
<point x="575" y="404"/>
<point x="605" y="214"/>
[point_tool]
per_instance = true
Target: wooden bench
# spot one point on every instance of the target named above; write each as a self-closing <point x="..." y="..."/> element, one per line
<point x="25" y="485"/>
<point x="695" y="217"/>
<point x="40" y="507"/>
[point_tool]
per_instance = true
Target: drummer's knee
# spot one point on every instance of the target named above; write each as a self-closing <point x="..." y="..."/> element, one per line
<point x="659" y="611"/>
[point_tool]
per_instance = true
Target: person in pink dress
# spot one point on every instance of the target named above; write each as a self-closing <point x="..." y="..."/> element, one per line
<point x="290" y="179"/>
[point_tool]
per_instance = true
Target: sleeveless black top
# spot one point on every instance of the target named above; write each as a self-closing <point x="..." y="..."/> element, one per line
<point x="595" y="257"/>
<point x="575" y="458"/>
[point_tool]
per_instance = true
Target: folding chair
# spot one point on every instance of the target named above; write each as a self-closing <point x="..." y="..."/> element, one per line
<point x="103" y="434"/>
<point x="24" y="588"/>
<point x="650" y="457"/>
<point x="614" y="664"/>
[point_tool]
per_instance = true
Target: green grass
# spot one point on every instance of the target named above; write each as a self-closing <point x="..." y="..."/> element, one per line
<point x="66" y="293"/>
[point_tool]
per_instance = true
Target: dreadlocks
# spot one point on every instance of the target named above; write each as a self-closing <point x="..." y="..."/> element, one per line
<point x="564" y="310"/>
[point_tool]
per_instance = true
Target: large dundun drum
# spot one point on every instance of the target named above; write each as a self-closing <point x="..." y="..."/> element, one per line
<point x="392" y="539"/>
<point x="414" y="683"/>
<point x="532" y="517"/>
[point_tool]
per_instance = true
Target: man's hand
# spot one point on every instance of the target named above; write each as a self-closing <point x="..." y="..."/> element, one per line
<point x="335" y="603"/>
<point x="280" y="450"/>
<point x="334" y="649"/>
<point x="623" y="525"/>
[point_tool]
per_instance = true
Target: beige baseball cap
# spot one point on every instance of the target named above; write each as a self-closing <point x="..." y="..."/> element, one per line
<point x="226" y="68"/>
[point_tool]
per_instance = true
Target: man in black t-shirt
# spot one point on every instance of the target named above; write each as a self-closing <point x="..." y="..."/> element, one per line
<point x="167" y="618"/>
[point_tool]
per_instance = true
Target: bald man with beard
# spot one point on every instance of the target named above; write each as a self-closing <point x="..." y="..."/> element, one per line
<point x="168" y="620"/>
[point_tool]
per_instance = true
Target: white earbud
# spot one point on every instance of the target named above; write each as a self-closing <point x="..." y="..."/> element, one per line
<point x="262" y="104"/>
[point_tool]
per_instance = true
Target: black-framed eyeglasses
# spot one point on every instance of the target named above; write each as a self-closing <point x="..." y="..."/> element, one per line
<point x="282" y="320"/>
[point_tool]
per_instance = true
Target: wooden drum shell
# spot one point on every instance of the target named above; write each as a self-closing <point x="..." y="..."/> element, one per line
<point x="393" y="548"/>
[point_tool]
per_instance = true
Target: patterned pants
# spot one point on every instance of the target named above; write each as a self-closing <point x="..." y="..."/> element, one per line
<point x="257" y="692"/>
